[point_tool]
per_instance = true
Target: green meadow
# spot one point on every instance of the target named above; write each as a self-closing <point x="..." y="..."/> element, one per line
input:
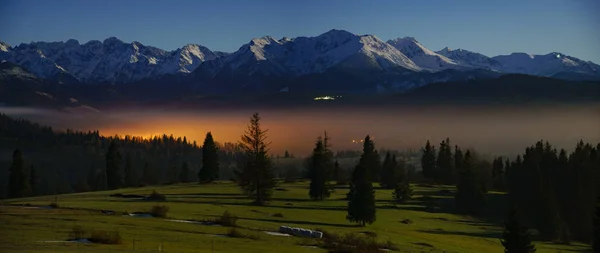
<point x="425" y="224"/>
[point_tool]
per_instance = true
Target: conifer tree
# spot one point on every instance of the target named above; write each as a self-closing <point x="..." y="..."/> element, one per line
<point x="114" y="174"/>
<point x="93" y="179"/>
<point x="370" y="159"/>
<point x="402" y="192"/>
<point x="469" y="197"/>
<point x="516" y="238"/>
<point x="255" y="175"/>
<point x="33" y="181"/>
<point x="596" y="227"/>
<point x="320" y="170"/>
<point x="389" y="177"/>
<point x="445" y="163"/>
<point x="458" y="159"/>
<point x="129" y="179"/>
<point x="210" y="160"/>
<point x="428" y="164"/>
<point x="18" y="183"/>
<point x="184" y="174"/>
<point x="286" y="155"/>
<point x="361" y="198"/>
<point x="148" y="175"/>
<point x="498" y="173"/>
<point x="173" y="174"/>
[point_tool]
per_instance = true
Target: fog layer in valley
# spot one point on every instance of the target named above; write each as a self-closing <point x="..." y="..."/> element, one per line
<point x="495" y="130"/>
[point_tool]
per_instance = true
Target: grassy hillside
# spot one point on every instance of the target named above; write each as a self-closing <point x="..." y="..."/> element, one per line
<point x="432" y="226"/>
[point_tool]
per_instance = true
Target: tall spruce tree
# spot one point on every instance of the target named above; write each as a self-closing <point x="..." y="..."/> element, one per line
<point x="458" y="159"/>
<point x="255" y="175"/>
<point x="516" y="238"/>
<point x="320" y="170"/>
<point x="93" y="179"/>
<point x="18" y="183"/>
<point x="210" y="160"/>
<point x="428" y="162"/>
<point x="148" y="175"/>
<point x="469" y="196"/>
<point x="370" y="159"/>
<point x="184" y="174"/>
<point x="129" y="179"/>
<point x="445" y="163"/>
<point x="389" y="177"/>
<point x="173" y="173"/>
<point x="596" y="227"/>
<point x="361" y="198"/>
<point x="33" y="181"/>
<point x="114" y="174"/>
<point x="498" y="173"/>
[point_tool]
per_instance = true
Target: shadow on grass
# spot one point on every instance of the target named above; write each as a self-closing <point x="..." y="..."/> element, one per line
<point x="492" y="235"/>
<point x="203" y="195"/>
<point x="311" y="223"/>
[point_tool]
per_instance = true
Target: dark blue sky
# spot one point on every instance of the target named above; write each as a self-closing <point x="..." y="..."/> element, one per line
<point x="489" y="27"/>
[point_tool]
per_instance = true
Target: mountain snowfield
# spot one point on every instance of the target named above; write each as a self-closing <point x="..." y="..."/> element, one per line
<point x="471" y="59"/>
<point x="110" y="61"/>
<point x="422" y="56"/>
<point x="307" y="55"/>
<point x="115" y="61"/>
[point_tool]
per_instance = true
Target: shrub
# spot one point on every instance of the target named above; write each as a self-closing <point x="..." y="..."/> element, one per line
<point x="53" y="205"/>
<point x="280" y="215"/>
<point x="105" y="237"/>
<point x="78" y="232"/>
<point x="159" y="211"/>
<point x="402" y="193"/>
<point x="227" y="219"/>
<point x="155" y="196"/>
<point x="353" y="243"/>
<point x="233" y="232"/>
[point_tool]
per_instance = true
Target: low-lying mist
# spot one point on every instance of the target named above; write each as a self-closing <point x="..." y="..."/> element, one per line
<point x="496" y="130"/>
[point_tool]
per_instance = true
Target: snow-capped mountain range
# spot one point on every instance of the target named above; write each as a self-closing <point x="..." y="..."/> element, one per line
<point x="115" y="61"/>
<point x="110" y="61"/>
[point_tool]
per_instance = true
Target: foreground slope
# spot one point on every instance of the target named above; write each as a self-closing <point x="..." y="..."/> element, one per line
<point x="426" y="224"/>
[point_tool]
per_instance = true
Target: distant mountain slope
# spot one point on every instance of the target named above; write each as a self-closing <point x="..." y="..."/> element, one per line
<point x="545" y="65"/>
<point x="471" y="59"/>
<point x="507" y="87"/>
<point x="308" y="55"/>
<point x="422" y="56"/>
<point x="110" y="61"/>
<point x="264" y="64"/>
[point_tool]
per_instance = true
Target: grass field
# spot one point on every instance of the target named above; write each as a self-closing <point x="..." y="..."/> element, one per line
<point x="433" y="227"/>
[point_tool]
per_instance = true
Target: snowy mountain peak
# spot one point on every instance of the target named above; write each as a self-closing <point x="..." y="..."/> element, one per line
<point x="306" y="55"/>
<point x="111" y="60"/>
<point x="4" y="47"/>
<point x="421" y="55"/>
<point x="470" y="59"/>
<point x="545" y="65"/>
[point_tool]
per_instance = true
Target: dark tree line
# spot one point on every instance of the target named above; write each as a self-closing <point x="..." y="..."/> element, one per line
<point x="556" y="191"/>
<point x="72" y="161"/>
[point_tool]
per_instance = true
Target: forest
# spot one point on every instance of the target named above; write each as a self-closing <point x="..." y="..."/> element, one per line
<point x="552" y="191"/>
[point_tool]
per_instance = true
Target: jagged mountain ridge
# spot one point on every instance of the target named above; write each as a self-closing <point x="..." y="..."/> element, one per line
<point x="114" y="61"/>
<point x="110" y="61"/>
<point x="309" y="55"/>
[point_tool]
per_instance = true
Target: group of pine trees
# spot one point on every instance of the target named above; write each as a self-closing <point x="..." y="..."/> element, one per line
<point x="556" y="191"/>
<point x="72" y="161"/>
<point x="462" y="169"/>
